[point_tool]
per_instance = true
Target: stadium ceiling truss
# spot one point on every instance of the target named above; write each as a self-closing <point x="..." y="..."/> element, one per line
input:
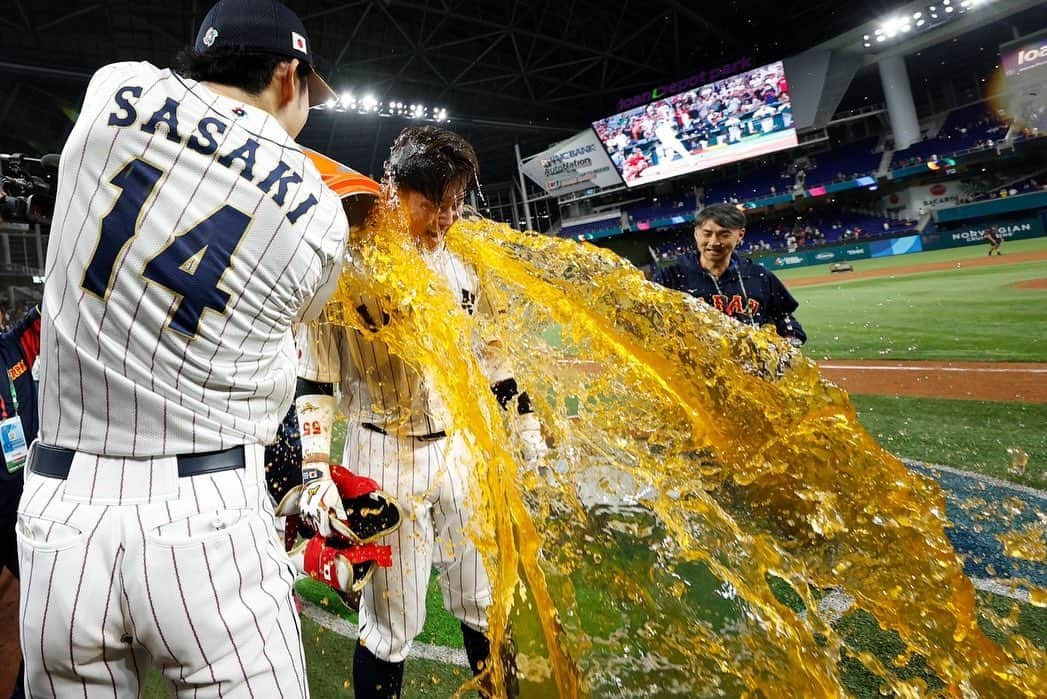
<point x="546" y="57"/>
<point x="525" y="71"/>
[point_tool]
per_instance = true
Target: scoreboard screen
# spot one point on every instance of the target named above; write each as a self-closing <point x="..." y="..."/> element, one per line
<point x="743" y="116"/>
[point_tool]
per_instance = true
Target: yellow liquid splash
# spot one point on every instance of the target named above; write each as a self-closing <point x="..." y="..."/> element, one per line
<point x="707" y="499"/>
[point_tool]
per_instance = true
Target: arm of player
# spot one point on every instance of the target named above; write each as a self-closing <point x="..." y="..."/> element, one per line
<point x="525" y="423"/>
<point x="319" y="500"/>
<point x="782" y="307"/>
<point x="316" y="500"/>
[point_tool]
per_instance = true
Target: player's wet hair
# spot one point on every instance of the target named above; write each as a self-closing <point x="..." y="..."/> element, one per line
<point x="727" y="215"/>
<point x="250" y="71"/>
<point x="429" y="160"/>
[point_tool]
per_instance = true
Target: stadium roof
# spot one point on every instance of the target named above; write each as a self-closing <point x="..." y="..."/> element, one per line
<point x="529" y="71"/>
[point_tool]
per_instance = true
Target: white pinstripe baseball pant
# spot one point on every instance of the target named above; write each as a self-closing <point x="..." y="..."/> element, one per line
<point x="124" y="563"/>
<point x="429" y="480"/>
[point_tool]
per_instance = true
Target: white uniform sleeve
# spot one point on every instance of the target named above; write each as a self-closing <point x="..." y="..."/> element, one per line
<point x="332" y="250"/>
<point x="108" y="79"/>
<point x="318" y="355"/>
<point x="313" y="307"/>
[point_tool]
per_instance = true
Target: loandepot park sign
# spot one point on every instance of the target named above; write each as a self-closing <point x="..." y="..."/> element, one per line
<point x="578" y="163"/>
<point x="702" y="77"/>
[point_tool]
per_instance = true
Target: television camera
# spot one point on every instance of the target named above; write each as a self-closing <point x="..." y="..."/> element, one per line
<point x="27" y="188"/>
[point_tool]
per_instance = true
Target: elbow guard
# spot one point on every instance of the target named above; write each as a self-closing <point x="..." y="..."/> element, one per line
<point x="506" y="390"/>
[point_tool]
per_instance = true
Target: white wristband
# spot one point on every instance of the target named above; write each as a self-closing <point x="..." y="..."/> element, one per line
<point x="315" y="417"/>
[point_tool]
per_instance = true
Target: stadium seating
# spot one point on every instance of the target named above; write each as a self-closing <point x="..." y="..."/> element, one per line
<point x="843" y="162"/>
<point x="666" y="213"/>
<point x="755" y="186"/>
<point x="593" y="229"/>
<point x="964" y="129"/>
<point x="1025" y="186"/>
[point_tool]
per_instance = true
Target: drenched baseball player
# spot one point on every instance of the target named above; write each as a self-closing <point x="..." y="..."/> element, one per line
<point x="190" y="232"/>
<point x="341" y="549"/>
<point x="741" y="289"/>
<point x="397" y="434"/>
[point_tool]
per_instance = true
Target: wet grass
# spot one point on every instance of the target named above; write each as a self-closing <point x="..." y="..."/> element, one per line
<point x="966" y="434"/>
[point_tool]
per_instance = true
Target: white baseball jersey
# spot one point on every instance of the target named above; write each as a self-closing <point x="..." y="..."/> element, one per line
<point x="429" y="478"/>
<point x="377" y="387"/>
<point x="190" y="232"/>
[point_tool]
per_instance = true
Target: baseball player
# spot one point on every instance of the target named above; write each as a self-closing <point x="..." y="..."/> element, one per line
<point x="995" y="240"/>
<point x="340" y="551"/>
<point x="396" y="435"/>
<point x="743" y="290"/>
<point x="283" y="458"/>
<point x="190" y="232"/>
<point x="19" y="349"/>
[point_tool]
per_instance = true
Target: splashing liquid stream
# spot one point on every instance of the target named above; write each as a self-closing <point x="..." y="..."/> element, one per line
<point x="702" y="475"/>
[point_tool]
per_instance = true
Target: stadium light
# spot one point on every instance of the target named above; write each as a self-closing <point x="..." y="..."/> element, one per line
<point x="369" y="104"/>
<point x="917" y="21"/>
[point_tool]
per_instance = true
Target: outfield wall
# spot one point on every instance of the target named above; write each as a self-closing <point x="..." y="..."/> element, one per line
<point x="1013" y="229"/>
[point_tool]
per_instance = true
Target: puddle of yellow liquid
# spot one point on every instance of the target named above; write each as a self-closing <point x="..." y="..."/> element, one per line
<point x="706" y="490"/>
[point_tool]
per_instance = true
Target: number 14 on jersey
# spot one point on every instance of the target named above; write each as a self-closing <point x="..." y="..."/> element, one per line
<point x="190" y="266"/>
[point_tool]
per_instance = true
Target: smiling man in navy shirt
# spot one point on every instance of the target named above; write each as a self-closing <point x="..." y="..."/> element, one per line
<point x="742" y="289"/>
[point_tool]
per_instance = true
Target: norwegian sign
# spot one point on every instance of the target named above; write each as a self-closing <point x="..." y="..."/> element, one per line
<point x="1013" y="229"/>
<point x="578" y="163"/>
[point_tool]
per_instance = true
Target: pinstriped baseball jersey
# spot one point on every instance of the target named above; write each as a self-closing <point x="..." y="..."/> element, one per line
<point x="377" y="387"/>
<point x="191" y="231"/>
<point x="428" y="477"/>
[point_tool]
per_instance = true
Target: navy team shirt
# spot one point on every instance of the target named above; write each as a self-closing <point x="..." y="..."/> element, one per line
<point x="747" y="292"/>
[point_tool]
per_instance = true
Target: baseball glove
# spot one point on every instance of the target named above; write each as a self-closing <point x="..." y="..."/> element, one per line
<point x="343" y="566"/>
<point x="370" y="513"/>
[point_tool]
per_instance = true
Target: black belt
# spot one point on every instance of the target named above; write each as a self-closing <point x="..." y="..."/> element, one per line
<point x="54" y="462"/>
<point x="431" y="437"/>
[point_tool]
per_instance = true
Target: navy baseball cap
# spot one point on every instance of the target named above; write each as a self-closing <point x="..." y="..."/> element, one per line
<point x="262" y="25"/>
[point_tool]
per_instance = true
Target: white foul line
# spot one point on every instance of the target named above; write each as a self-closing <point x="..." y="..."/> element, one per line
<point x="447" y="656"/>
<point x="995" y="482"/>
<point x="903" y="367"/>
<point x="997" y="587"/>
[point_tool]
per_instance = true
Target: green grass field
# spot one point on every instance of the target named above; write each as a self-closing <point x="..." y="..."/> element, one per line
<point x="966" y="314"/>
<point x="971" y="252"/>
<point x="970" y="314"/>
<point x="966" y="434"/>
